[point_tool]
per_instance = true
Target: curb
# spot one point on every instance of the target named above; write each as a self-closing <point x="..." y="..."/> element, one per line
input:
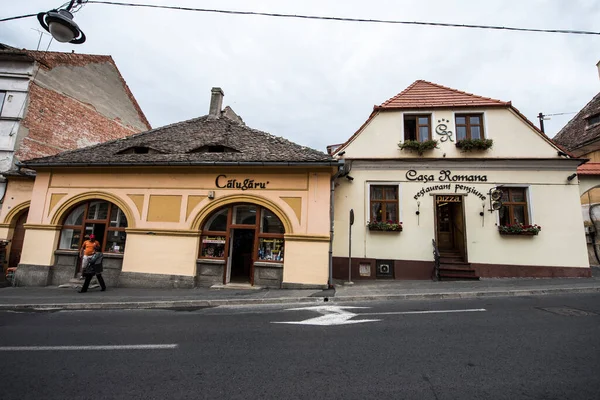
<point x="466" y="295"/>
<point x="191" y="304"/>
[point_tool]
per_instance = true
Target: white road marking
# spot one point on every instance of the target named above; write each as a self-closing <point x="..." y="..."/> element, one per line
<point x="426" y="312"/>
<point x="337" y="315"/>
<point x="331" y="315"/>
<point x="83" y="348"/>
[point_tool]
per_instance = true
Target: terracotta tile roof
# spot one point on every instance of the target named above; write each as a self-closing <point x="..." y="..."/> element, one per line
<point x="578" y="133"/>
<point x="190" y="143"/>
<point x="590" y="168"/>
<point x="424" y="94"/>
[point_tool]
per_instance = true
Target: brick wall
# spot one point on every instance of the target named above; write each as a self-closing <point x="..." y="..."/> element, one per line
<point x="57" y="123"/>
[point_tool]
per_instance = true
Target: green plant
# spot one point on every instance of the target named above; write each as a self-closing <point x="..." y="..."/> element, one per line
<point x="419" y="147"/>
<point x="519" y="229"/>
<point x="384" y="226"/>
<point x="474" y="144"/>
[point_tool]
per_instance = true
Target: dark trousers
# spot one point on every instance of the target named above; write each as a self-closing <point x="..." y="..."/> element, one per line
<point x="88" y="279"/>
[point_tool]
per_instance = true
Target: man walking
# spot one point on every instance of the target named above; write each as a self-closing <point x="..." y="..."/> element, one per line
<point x="94" y="268"/>
<point x="87" y="250"/>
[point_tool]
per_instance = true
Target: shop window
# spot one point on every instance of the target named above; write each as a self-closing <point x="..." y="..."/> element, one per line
<point x="213" y="246"/>
<point x="417" y="127"/>
<point x="103" y="219"/>
<point x="469" y="126"/>
<point x="269" y="223"/>
<point x="383" y="203"/>
<point x="514" y="209"/>
<point x="244" y="215"/>
<point x="268" y="244"/>
<point x="270" y="249"/>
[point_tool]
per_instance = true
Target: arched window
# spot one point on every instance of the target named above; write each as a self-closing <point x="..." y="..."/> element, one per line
<point x="105" y="220"/>
<point x="267" y="229"/>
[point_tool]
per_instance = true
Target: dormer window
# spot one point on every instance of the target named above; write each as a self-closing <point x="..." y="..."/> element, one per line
<point x="593" y="120"/>
<point x="469" y="126"/>
<point x="417" y="127"/>
<point x="214" y="148"/>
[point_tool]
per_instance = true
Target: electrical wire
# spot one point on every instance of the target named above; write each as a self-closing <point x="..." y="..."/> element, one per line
<point x="342" y="19"/>
<point x="326" y="18"/>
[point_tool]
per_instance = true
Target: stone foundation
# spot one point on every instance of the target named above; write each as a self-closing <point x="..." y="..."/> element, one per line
<point x="268" y="274"/>
<point x="155" y="281"/>
<point x="209" y="272"/>
<point x="33" y="275"/>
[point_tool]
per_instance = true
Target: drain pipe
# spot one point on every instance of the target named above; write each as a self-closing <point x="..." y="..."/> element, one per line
<point x="340" y="172"/>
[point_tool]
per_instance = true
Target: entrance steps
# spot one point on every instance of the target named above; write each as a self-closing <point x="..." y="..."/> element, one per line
<point x="454" y="268"/>
<point x="238" y="286"/>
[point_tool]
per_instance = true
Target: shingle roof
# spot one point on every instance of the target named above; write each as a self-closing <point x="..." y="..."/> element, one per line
<point x="178" y="144"/>
<point x="424" y="94"/>
<point x="577" y="133"/>
<point x="590" y="168"/>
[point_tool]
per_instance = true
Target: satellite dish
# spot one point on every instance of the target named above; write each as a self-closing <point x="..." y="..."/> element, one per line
<point x="496" y="205"/>
<point x="496" y="194"/>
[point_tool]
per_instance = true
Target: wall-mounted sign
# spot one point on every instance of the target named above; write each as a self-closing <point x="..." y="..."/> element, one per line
<point x="448" y="199"/>
<point x="442" y="130"/>
<point x="457" y="187"/>
<point x="223" y="183"/>
<point x="445" y="175"/>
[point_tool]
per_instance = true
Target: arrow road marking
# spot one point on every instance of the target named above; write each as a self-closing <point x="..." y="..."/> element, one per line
<point x="331" y="315"/>
<point x="337" y="315"/>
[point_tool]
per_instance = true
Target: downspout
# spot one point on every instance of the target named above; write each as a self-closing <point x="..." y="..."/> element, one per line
<point x="339" y="173"/>
<point x="593" y="232"/>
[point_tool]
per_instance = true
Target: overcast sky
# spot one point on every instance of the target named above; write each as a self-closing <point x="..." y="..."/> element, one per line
<point x="315" y="82"/>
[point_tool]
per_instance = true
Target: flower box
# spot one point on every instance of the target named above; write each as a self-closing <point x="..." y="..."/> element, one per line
<point x="519" y="229"/>
<point x="385" y="226"/>
<point x="474" y="144"/>
<point x="419" y="147"/>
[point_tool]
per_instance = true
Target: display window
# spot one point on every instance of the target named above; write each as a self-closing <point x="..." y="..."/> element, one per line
<point x="268" y="238"/>
<point x="103" y="219"/>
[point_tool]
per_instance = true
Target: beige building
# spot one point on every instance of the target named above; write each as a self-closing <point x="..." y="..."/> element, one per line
<point x="434" y="171"/>
<point x="202" y="202"/>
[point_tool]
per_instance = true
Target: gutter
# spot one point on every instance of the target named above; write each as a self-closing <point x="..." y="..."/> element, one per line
<point x="181" y="163"/>
<point x="343" y="170"/>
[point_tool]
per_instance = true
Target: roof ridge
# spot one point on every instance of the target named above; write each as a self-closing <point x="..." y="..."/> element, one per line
<point x="405" y="95"/>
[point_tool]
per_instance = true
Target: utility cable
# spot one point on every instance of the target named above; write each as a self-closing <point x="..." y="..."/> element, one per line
<point x="339" y="19"/>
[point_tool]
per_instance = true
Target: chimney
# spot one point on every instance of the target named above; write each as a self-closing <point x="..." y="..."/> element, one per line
<point x="598" y="65"/>
<point x="216" y="102"/>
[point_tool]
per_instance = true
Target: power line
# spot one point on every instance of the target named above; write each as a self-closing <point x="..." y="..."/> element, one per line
<point x="564" y="113"/>
<point x="339" y="19"/>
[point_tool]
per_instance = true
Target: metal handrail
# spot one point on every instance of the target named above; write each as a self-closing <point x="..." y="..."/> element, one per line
<point x="436" y="262"/>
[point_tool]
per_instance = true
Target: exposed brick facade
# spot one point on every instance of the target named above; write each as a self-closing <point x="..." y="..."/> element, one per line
<point x="57" y="123"/>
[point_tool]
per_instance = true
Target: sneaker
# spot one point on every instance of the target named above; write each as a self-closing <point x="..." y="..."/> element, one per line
<point x="81" y="278"/>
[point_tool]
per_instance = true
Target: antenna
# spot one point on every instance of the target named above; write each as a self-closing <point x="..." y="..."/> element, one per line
<point x="42" y="33"/>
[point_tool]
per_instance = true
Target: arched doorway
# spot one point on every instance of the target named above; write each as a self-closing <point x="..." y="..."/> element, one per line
<point x="242" y="235"/>
<point x="16" y="242"/>
<point x="99" y="217"/>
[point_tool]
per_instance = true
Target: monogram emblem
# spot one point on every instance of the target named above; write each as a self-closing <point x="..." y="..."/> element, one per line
<point x="442" y="130"/>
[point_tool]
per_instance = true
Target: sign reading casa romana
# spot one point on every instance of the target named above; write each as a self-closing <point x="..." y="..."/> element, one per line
<point x="223" y="183"/>
<point x="445" y="175"/>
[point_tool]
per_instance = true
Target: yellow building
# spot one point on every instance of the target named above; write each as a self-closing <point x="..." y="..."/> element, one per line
<point x="201" y="202"/>
<point x="439" y="171"/>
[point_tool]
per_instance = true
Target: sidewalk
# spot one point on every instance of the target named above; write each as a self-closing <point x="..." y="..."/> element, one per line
<point x="53" y="298"/>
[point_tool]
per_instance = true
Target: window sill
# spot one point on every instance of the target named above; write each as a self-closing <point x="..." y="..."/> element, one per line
<point x="75" y="252"/>
<point x="211" y="260"/>
<point x="268" y="264"/>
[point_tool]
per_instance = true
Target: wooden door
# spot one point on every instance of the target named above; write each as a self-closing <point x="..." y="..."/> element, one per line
<point x="445" y="234"/>
<point x="16" y="244"/>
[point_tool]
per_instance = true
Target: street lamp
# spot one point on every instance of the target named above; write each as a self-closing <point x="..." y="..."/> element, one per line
<point x="61" y="26"/>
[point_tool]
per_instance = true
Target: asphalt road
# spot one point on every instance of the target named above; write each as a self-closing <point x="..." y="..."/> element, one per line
<point x="545" y="347"/>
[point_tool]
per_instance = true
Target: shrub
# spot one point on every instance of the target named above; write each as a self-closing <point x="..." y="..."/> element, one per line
<point x="419" y="147"/>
